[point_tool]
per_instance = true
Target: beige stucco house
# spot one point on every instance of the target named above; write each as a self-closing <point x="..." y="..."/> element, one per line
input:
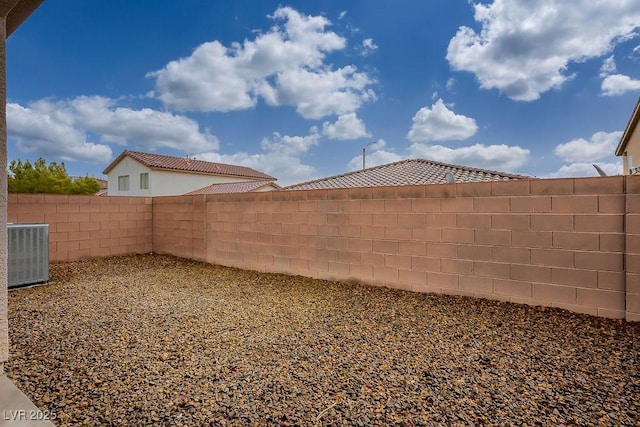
<point x="629" y="145"/>
<point x="134" y="173"/>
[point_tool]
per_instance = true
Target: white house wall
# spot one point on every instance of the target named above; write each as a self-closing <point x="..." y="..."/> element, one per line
<point x="161" y="182"/>
<point x="166" y="183"/>
<point x="133" y="168"/>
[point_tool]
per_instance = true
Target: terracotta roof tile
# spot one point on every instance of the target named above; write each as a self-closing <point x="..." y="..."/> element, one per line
<point x="104" y="184"/>
<point x="184" y="164"/>
<point x="405" y="172"/>
<point x="233" y="187"/>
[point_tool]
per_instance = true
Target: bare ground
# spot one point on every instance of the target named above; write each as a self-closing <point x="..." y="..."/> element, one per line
<point x="157" y="340"/>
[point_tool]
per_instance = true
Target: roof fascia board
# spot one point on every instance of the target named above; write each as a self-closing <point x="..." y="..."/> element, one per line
<point x="190" y="172"/>
<point x="16" y="12"/>
<point x="628" y="131"/>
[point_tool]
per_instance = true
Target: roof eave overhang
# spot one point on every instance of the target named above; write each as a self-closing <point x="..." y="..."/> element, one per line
<point x="628" y="131"/>
<point x="115" y="162"/>
<point x="17" y="12"/>
<point x="226" y="175"/>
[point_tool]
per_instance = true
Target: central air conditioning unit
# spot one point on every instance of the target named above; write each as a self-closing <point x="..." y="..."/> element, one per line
<point x="28" y="254"/>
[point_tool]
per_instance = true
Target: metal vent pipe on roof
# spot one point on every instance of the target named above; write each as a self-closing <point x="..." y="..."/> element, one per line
<point x="364" y="150"/>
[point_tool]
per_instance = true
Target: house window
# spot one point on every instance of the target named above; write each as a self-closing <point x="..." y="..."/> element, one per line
<point x="144" y="181"/>
<point x="123" y="183"/>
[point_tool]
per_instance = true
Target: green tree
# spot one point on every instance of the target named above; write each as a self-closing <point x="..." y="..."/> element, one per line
<point x="85" y="185"/>
<point x="43" y="178"/>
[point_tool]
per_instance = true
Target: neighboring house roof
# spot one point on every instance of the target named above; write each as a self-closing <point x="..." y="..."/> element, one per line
<point x="104" y="184"/>
<point x="104" y="187"/>
<point x="235" y="187"/>
<point x="405" y="172"/>
<point x="185" y="164"/>
<point x="628" y="131"/>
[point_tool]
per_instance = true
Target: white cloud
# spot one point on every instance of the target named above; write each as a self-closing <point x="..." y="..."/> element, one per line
<point x="347" y="127"/>
<point x="450" y="83"/>
<point x="608" y="66"/>
<point x="291" y="145"/>
<point x="494" y="157"/>
<point x="146" y="128"/>
<point x="51" y="136"/>
<point x="616" y="84"/>
<point x="619" y="84"/>
<point x="375" y="158"/>
<point x="280" y="157"/>
<point x="524" y="47"/>
<point x="599" y="146"/>
<point x="585" y="170"/>
<point x="63" y="129"/>
<point x="438" y="123"/>
<point x="317" y="94"/>
<point x="287" y="169"/>
<point x="205" y="81"/>
<point x="368" y="46"/>
<point x="284" y="66"/>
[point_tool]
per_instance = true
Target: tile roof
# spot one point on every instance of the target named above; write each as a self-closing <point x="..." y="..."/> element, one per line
<point x="405" y="172"/>
<point x="234" y="187"/>
<point x="104" y="184"/>
<point x="185" y="164"/>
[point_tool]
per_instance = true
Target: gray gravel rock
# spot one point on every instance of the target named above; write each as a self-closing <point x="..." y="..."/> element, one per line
<point x="158" y="340"/>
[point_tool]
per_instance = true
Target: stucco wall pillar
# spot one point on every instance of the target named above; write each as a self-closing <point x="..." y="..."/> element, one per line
<point x="4" y="326"/>
<point x="12" y="14"/>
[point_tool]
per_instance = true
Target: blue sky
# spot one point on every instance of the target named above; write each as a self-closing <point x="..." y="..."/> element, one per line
<point x="297" y="89"/>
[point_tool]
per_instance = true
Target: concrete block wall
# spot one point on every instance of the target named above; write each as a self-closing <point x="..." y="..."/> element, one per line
<point x="87" y="226"/>
<point x="557" y="243"/>
<point x="179" y="226"/>
<point x="570" y="243"/>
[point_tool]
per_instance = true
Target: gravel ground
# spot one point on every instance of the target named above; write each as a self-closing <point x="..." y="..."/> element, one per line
<point x="157" y="340"/>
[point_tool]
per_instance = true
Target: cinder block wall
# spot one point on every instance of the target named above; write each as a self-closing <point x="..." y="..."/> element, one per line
<point x="570" y="243"/>
<point x="554" y="242"/>
<point x="87" y="226"/>
<point x="179" y="226"/>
